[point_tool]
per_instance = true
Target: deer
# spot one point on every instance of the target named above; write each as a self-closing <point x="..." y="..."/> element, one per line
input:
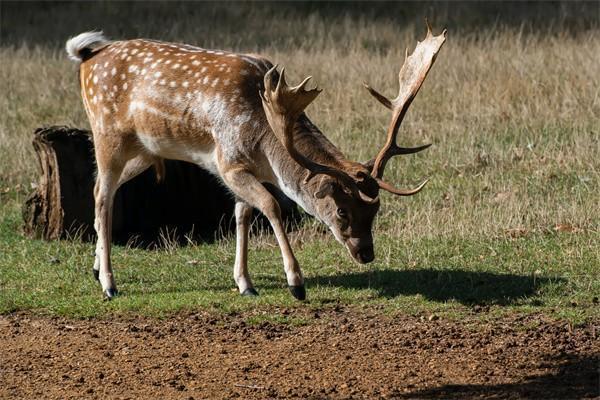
<point x="234" y="115"/>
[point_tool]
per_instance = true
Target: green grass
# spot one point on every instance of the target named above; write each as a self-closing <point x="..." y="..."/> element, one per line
<point x="556" y="274"/>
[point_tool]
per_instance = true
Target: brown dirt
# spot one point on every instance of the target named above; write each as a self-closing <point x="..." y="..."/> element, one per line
<point x="340" y="353"/>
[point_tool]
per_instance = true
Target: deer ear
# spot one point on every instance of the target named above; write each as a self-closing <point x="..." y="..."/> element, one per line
<point x="326" y="189"/>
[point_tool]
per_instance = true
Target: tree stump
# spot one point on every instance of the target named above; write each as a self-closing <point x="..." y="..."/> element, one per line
<point x="189" y="203"/>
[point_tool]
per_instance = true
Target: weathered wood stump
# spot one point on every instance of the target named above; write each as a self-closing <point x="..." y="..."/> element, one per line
<point x="189" y="203"/>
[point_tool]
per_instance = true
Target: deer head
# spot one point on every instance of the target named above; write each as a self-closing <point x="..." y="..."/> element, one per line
<point x="346" y="193"/>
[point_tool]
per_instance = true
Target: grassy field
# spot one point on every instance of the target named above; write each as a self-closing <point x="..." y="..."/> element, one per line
<point x="509" y="219"/>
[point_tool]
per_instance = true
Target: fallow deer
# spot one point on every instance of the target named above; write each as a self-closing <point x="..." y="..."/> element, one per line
<point x="234" y="115"/>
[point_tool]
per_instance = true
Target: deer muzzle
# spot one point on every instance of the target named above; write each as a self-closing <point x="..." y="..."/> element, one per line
<point x="361" y="250"/>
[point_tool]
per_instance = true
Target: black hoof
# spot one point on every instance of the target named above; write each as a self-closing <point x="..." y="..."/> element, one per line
<point x="96" y="274"/>
<point x="251" y="292"/>
<point x="298" y="292"/>
<point x="110" y="293"/>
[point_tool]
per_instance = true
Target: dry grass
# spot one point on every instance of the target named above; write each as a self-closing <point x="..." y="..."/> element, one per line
<point x="513" y="114"/>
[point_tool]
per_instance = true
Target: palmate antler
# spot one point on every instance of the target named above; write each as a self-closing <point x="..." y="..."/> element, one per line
<point x="283" y="106"/>
<point x="411" y="77"/>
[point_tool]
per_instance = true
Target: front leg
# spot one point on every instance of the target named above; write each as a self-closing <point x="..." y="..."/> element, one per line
<point x="245" y="185"/>
<point x="243" y="213"/>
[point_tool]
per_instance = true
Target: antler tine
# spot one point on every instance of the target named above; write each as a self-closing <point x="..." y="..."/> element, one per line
<point x="428" y="27"/>
<point x="302" y="84"/>
<point x="381" y="98"/>
<point x="283" y="106"/>
<point x="401" y="192"/>
<point x="411" y="77"/>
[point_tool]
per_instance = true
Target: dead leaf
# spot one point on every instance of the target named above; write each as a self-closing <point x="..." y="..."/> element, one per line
<point x="516" y="232"/>
<point x="568" y="228"/>
<point x="502" y="196"/>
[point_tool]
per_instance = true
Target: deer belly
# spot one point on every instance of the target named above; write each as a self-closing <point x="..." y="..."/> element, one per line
<point x="203" y="155"/>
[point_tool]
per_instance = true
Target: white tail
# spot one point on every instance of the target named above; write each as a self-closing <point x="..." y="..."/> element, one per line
<point x="234" y="115"/>
<point x="85" y="43"/>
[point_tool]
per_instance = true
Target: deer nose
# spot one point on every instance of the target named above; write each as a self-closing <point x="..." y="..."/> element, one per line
<point x="366" y="255"/>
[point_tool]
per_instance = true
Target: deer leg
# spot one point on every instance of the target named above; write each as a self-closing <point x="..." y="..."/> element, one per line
<point x="243" y="213"/>
<point x="132" y="168"/>
<point x="246" y="186"/>
<point x="106" y="186"/>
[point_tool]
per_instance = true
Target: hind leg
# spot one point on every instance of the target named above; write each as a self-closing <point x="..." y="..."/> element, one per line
<point x="132" y="168"/>
<point x="104" y="192"/>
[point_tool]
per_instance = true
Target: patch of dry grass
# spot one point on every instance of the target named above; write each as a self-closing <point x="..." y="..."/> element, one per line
<point x="513" y="115"/>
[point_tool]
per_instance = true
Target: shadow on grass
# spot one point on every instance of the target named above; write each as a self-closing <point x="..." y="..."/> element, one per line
<point x="466" y="287"/>
<point x="574" y="377"/>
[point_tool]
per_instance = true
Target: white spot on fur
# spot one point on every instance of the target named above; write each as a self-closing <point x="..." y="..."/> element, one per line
<point x="173" y="84"/>
<point x="157" y="74"/>
<point x="185" y="84"/>
<point x="113" y="71"/>
<point x="125" y="86"/>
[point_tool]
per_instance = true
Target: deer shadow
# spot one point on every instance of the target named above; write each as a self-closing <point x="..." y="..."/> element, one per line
<point x="441" y="285"/>
<point x="574" y="377"/>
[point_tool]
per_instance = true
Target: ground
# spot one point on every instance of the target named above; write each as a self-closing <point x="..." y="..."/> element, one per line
<point x="338" y="353"/>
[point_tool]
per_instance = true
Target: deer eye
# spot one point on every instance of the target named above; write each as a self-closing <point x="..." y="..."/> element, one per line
<point x="342" y="213"/>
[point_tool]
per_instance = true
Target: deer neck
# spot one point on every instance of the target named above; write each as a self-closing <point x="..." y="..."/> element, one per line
<point x="290" y="176"/>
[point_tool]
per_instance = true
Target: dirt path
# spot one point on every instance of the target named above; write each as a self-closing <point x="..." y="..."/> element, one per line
<point x="339" y="354"/>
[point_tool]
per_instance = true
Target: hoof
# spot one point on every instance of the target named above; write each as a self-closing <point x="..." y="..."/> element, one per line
<point x="250" y="292"/>
<point x="96" y="274"/>
<point x="110" y="293"/>
<point x="298" y="292"/>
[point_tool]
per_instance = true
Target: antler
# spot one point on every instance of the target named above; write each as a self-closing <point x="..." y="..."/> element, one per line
<point x="411" y="77"/>
<point x="283" y="106"/>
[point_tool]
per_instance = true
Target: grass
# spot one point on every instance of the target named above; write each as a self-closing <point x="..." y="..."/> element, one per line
<point x="552" y="273"/>
<point x="509" y="219"/>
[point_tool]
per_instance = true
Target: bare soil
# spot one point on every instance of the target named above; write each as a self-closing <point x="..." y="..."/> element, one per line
<point x="338" y="353"/>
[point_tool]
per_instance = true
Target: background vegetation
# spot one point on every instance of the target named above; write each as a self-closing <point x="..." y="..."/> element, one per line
<point x="509" y="219"/>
